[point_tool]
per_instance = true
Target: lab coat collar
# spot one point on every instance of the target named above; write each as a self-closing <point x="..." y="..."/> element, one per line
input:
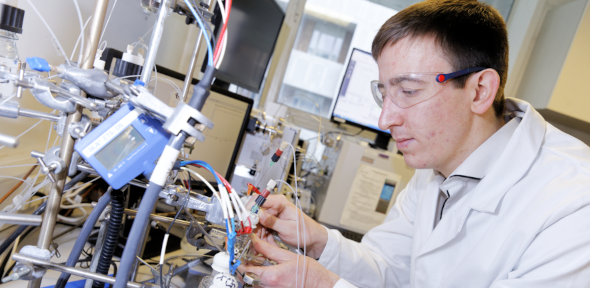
<point x="515" y="160"/>
<point x="483" y="159"/>
<point x="519" y="154"/>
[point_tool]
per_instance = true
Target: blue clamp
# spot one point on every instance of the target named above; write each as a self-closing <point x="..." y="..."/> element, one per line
<point x="231" y="241"/>
<point x="139" y="83"/>
<point x="38" y="64"/>
<point x="234" y="267"/>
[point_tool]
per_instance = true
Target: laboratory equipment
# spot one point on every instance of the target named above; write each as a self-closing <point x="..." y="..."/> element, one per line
<point x="354" y="104"/>
<point x="124" y="146"/>
<point x="116" y="123"/>
<point x="254" y="163"/>
<point x="360" y="186"/>
<point x="229" y="111"/>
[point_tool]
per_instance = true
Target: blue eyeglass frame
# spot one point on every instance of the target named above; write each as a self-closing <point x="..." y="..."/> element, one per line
<point x="440" y="78"/>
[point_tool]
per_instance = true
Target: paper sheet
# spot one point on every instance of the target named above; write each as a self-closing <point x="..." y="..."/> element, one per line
<point x="372" y="192"/>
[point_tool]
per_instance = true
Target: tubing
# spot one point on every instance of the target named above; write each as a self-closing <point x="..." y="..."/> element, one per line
<point x="83" y="237"/>
<point x="6" y="243"/>
<point x="112" y="236"/>
<point x="137" y="232"/>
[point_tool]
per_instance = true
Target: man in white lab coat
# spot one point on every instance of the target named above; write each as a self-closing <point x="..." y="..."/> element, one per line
<point x="500" y="197"/>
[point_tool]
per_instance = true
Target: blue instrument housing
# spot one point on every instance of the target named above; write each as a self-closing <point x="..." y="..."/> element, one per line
<point x="124" y="146"/>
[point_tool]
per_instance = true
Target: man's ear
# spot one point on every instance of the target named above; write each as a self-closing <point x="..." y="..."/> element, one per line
<point x="486" y="85"/>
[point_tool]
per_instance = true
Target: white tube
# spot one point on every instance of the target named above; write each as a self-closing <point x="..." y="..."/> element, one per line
<point x="50" y="31"/>
<point x="81" y="32"/>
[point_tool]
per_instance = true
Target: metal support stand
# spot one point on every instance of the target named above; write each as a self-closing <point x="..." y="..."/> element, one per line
<point x="146" y="75"/>
<point x="67" y="144"/>
<point x="188" y="79"/>
<point x="74" y="271"/>
<point x="150" y="58"/>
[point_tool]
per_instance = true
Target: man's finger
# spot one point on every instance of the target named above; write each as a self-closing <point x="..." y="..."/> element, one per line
<point x="268" y="220"/>
<point x="271" y="252"/>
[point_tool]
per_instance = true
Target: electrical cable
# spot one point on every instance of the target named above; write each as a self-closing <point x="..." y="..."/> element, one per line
<point x="221" y="35"/>
<point x="81" y="32"/>
<point x="18" y="184"/>
<point x="302" y="219"/>
<point x="158" y="179"/>
<point x="203" y="30"/>
<point x="62" y="51"/>
<point x="224" y="38"/>
<point x="165" y="242"/>
<point x="84" y="235"/>
<point x="76" y="45"/>
<point x="108" y="19"/>
<point x="112" y="236"/>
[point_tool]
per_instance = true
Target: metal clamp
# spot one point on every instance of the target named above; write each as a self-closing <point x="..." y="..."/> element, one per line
<point x="50" y="163"/>
<point x="80" y="129"/>
<point x="178" y="121"/>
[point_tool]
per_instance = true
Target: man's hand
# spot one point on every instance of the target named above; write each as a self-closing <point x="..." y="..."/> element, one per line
<point x="283" y="274"/>
<point x="281" y="215"/>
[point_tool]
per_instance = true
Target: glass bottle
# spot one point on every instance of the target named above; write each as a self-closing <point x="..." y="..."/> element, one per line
<point x="9" y="61"/>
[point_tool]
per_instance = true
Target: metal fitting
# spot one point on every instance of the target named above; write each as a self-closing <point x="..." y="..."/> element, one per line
<point x="251" y="279"/>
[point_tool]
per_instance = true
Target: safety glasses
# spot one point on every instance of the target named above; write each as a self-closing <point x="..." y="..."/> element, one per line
<point x="409" y="89"/>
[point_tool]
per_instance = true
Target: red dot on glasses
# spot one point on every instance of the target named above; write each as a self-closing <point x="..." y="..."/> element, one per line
<point x="441" y="78"/>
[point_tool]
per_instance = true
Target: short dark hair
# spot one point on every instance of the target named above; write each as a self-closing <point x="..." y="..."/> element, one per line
<point x="471" y="33"/>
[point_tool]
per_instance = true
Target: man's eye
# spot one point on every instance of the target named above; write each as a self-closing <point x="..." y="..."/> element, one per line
<point x="410" y="93"/>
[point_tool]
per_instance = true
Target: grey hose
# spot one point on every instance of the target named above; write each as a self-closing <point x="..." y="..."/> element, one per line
<point x="137" y="232"/>
<point x="83" y="237"/>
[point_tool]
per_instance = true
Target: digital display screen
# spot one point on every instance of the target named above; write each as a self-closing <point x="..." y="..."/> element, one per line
<point x="124" y="144"/>
<point x="355" y="102"/>
<point x="385" y="198"/>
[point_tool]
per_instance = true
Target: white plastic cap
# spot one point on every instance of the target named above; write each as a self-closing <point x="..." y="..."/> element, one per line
<point x="224" y="280"/>
<point x="254" y="219"/>
<point x="129" y="57"/>
<point x="221" y="262"/>
<point x="283" y="145"/>
<point x="271" y="185"/>
<point x="98" y="64"/>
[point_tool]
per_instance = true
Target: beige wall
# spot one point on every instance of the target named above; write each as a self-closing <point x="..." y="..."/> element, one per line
<point x="572" y="92"/>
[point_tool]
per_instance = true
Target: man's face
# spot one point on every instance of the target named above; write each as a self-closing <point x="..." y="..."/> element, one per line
<point x="431" y="133"/>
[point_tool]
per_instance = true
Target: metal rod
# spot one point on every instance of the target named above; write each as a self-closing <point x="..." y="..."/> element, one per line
<point x="9" y="141"/>
<point x="67" y="144"/>
<point x="188" y="79"/>
<point x="150" y="58"/>
<point x="21" y="219"/>
<point x="159" y="218"/>
<point x="71" y="270"/>
<point x="38" y="115"/>
<point x="96" y="255"/>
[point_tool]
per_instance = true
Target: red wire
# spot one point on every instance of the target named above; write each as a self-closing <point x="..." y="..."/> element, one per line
<point x="229" y="188"/>
<point x="220" y="40"/>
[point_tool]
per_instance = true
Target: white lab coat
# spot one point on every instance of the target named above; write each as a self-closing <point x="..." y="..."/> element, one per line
<point x="527" y="223"/>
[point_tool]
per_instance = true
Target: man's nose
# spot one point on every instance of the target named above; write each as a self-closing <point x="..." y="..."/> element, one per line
<point x="390" y="115"/>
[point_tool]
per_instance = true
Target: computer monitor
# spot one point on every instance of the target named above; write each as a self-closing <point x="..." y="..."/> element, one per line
<point x="230" y="114"/>
<point x="253" y="29"/>
<point x="354" y="103"/>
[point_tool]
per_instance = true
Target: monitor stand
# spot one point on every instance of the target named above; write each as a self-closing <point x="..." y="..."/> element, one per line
<point x="381" y="141"/>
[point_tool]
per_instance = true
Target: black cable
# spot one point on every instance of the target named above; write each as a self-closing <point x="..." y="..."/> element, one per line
<point x="114" y="268"/>
<point x="188" y="196"/>
<point x="112" y="236"/>
<point x="5" y="261"/>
